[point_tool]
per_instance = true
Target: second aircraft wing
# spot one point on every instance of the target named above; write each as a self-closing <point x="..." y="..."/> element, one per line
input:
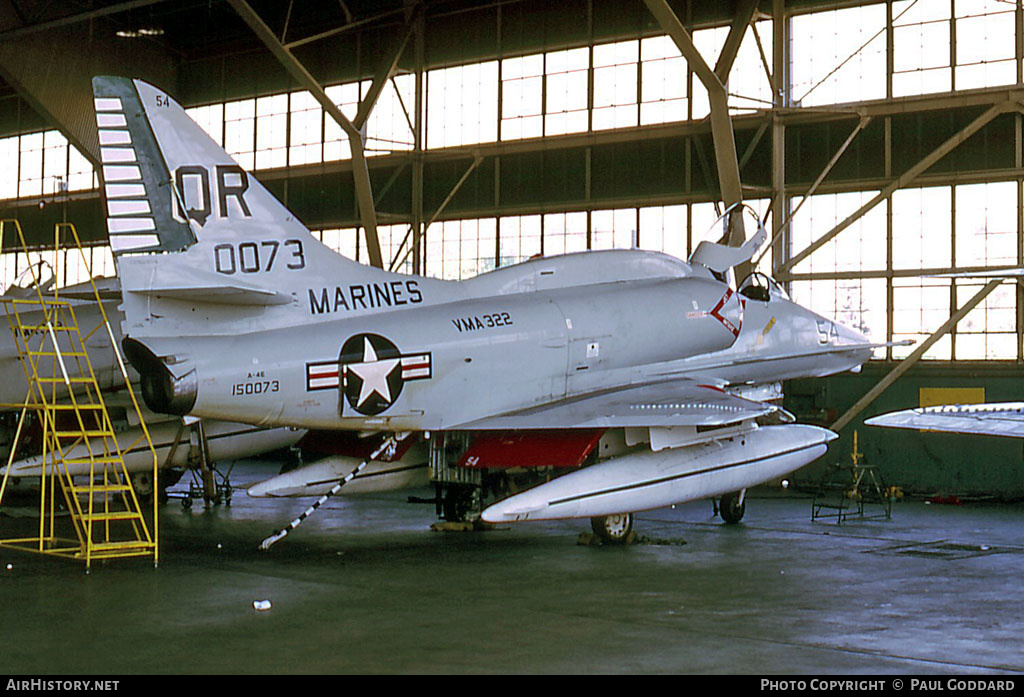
<point x="996" y="419"/>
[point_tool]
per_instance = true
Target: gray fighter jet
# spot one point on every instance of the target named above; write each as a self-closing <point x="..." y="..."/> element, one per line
<point x="657" y="372"/>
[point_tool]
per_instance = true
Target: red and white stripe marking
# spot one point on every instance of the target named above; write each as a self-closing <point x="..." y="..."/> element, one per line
<point x="324" y="375"/>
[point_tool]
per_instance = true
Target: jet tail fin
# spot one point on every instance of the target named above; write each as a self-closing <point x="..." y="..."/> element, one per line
<point x="189" y="227"/>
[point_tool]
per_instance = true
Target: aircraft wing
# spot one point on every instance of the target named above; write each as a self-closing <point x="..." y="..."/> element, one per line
<point x="661" y="404"/>
<point x="996" y="419"/>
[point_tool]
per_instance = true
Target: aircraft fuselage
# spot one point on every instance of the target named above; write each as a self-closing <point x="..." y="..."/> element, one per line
<point x="431" y="367"/>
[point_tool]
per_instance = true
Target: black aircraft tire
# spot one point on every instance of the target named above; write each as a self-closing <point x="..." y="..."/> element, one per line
<point x="731" y="509"/>
<point x="613" y="529"/>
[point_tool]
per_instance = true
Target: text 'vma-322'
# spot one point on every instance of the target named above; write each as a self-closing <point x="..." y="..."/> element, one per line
<point x="644" y="377"/>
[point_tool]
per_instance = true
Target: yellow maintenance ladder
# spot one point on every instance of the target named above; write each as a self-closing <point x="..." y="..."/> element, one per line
<point x="77" y="432"/>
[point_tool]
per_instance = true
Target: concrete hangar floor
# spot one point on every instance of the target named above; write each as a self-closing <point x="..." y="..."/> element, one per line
<point x="364" y="586"/>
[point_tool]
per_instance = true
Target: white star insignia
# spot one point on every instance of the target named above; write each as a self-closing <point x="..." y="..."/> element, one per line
<point x="374" y="374"/>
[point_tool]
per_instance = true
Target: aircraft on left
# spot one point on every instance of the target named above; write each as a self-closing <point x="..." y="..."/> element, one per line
<point x="176" y="443"/>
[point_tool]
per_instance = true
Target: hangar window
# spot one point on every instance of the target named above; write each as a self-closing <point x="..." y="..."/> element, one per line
<point x="462" y="105"/>
<point x="919" y="307"/>
<point x="522" y="97"/>
<point x="9" y="172"/>
<point x="305" y="130"/>
<point x="614" y="229"/>
<point x="272" y="131"/>
<point x="30" y="182"/>
<point x="985" y="53"/>
<point x="663" y="229"/>
<point x="42" y="164"/>
<point x="390" y="238"/>
<point x="615" y="85"/>
<point x="458" y="249"/>
<point x="565" y="91"/>
<point x="565" y="233"/>
<point x="838" y="56"/>
<point x="389" y="127"/>
<point x="921" y="47"/>
<point x="10" y="265"/>
<point x="986" y="224"/>
<point x="101" y="261"/>
<point x="67" y="265"/>
<point x="663" y="79"/>
<point x="860" y="247"/>
<point x="519" y="238"/>
<point x="344" y="241"/>
<point x="211" y="119"/>
<point x="240" y="131"/>
<point x="989" y="331"/>
<point x="81" y="175"/>
<point x="922" y="227"/>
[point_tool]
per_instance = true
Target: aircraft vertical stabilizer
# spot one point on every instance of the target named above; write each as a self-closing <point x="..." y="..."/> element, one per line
<point x="188" y="226"/>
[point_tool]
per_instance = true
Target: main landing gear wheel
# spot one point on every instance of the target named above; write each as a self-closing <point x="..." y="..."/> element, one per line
<point x="142" y="482"/>
<point x="731" y="507"/>
<point x="613" y="529"/>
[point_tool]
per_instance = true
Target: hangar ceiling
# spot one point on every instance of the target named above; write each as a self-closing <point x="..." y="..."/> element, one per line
<point x="205" y="51"/>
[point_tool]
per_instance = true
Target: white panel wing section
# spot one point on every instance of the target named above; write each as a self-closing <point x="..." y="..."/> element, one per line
<point x="996" y="419"/>
<point x="663" y="404"/>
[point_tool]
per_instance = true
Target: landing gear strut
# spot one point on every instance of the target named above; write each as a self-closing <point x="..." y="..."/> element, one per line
<point x="732" y="506"/>
<point x="613" y="529"/>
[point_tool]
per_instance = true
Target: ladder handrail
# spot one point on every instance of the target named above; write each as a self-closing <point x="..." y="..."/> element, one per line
<point x="93" y="432"/>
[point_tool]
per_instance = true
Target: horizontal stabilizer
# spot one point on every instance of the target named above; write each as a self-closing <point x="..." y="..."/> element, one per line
<point x="995" y="419"/>
<point x="222" y="294"/>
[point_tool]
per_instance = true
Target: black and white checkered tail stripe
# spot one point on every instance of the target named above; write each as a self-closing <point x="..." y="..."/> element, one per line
<point x="388" y="447"/>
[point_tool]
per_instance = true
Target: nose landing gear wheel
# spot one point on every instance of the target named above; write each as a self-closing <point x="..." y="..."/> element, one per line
<point x="613" y="529"/>
<point x="732" y="507"/>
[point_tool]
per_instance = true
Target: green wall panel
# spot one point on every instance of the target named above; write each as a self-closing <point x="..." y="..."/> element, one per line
<point x="922" y="463"/>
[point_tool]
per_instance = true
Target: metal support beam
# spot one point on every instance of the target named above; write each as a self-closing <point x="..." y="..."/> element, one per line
<point x="721" y="122"/>
<point x="385" y="73"/>
<point x="910" y="360"/>
<point x="780" y="98"/>
<point x="861" y="125"/>
<point x="360" y="170"/>
<point x="740" y="22"/>
<point x="395" y="263"/>
<point x="905" y="179"/>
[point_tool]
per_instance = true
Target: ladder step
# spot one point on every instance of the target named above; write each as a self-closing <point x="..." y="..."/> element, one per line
<point x="54" y="354"/>
<point x="33" y="328"/>
<point x="74" y="407"/>
<point x="87" y="434"/>
<point x="76" y="380"/>
<point x="119" y="553"/>
<point x="123" y="545"/>
<point x="113" y="515"/>
<point x="100" y="489"/>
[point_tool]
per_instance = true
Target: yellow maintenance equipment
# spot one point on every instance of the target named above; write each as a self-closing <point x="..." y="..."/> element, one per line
<point x="64" y="397"/>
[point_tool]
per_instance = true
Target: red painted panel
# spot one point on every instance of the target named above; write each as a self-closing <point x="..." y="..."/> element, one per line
<point x="349" y="443"/>
<point x="502" y="449"/>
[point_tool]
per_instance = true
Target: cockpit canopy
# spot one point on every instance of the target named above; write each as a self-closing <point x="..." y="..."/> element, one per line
<point x="760" y="286"/>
